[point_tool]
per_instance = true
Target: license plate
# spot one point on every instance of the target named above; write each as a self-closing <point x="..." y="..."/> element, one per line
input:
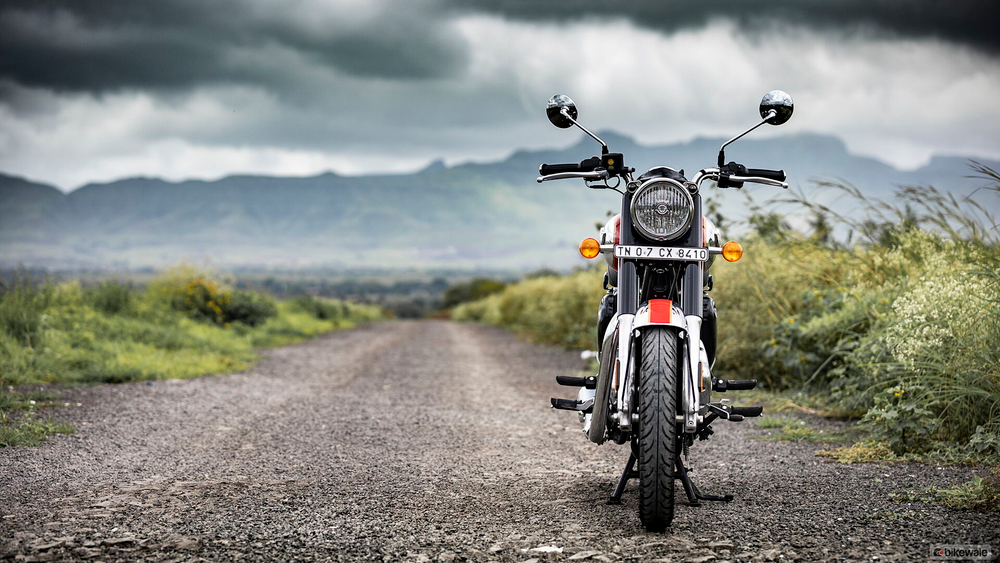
<point x="662" y="253"/>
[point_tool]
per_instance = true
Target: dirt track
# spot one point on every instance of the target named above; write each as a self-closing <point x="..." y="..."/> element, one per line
<point x="425" y="441"/>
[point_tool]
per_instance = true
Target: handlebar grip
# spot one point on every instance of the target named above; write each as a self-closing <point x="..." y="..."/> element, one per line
<point x="778" y="175"/>
<point x="546" y="169"/>
<point x="588" y="165"/>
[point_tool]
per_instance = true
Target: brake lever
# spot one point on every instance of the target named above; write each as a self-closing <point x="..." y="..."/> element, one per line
<point x="758" y="180"/>
<point x="588" y="176"/>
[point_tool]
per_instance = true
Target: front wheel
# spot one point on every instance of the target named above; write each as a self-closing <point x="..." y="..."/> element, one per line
<point x="657" y="435"/>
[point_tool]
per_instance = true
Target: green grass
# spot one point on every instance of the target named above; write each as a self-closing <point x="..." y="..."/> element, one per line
<point x="793" y="429"/>
<point x="28" y="430"/>
<point x="182" y="325"/>
<point x="11" y="400"/>
<point x="979" y="493"/>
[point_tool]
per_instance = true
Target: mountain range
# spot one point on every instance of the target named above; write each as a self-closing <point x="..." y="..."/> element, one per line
<point x="464" y="217"/>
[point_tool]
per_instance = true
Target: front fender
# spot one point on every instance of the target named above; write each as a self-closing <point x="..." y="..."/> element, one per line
<point x="659" y="312"/>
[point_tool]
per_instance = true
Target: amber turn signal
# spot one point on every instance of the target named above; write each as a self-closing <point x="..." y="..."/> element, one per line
<point x="731" y="251"/>
<point x="590" y="248"/>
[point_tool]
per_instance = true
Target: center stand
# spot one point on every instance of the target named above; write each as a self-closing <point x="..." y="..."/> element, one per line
<point x="681" y="472"/>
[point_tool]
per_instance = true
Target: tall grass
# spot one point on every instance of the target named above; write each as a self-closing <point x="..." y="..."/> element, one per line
<point x="900" y="327"/>
<point x="558" y="310"/>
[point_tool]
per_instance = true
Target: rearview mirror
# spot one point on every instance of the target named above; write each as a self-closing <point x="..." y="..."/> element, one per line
<point x="554" y="110"/>
<point x="777" y="101"/>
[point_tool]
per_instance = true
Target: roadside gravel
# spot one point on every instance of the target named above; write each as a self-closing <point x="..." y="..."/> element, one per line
<point x="426" y="441"/>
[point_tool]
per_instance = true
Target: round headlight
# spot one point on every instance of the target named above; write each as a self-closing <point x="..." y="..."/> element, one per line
<point x="662" y="209"/>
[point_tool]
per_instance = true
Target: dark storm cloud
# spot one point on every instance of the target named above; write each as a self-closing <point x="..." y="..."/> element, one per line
<point x="112" y="44"/>
<point x="960" y="21"/>
<point x="73" y="45"/>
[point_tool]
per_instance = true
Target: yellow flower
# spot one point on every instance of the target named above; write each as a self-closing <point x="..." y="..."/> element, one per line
<point x="791" y="319"/>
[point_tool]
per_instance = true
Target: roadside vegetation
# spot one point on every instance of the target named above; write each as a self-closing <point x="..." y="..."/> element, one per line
<point x="895" y="324"/>
<point x="182" y="324"/>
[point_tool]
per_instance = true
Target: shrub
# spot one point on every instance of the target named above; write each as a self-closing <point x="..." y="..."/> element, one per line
<point x="553" y="310"/>
<point x="248" y="308"/>
<point x="21" y="306"/>
<point x="471" y="290"/>
<point x="323" y="309"/>
<point x="203" y="299"/>
<point x="111" y="297"/>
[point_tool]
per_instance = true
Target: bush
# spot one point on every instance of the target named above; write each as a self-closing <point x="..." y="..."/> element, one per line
<point x="203" y="299"/>
<point x="471" y="290"/>
<point x="553" y="310"/>
<point x="323" y="309"/>
<point x="21" y="306"/>
<point x="111" y="297"/>
<point x="248" y="308"/>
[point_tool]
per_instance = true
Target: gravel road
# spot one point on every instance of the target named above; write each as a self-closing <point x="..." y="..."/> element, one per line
<point x="426" y="441"/>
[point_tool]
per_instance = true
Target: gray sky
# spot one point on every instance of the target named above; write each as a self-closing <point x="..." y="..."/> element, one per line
<point x="95" y="91"/>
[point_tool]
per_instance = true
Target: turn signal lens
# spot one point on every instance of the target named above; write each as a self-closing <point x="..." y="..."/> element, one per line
<point x="731" y="251"/>
<point x="590" y="248"/>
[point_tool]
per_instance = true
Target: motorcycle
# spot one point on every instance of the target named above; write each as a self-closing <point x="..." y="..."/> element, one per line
<point x="657" y="323"/>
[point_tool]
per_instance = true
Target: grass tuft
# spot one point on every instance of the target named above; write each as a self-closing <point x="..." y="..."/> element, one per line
<point x="29" y="430"/>
<point x="979" y="493"/>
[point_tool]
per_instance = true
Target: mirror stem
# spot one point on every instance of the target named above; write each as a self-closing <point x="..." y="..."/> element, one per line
<point x="604" y="146"/>
<point x="722" y="149"/>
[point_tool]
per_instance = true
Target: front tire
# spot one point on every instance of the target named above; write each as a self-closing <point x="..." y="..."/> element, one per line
<point x="657" y="436"/>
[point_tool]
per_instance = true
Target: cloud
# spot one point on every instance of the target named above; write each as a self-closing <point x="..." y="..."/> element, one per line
<point x="273" y="91"/>
<point x="110" y="45"/>
<point x="959" y="21"/>
<point x="68" y="45"/>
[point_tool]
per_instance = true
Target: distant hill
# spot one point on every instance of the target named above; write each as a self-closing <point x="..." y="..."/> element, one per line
<point x="469" y="216"/>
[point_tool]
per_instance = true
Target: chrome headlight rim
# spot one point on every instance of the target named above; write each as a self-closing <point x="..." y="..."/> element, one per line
<point x="638" y="224"/>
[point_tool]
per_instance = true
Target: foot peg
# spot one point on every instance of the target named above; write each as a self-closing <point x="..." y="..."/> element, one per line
<point x="570" y="381"/>
<point x="723" y="385"/>
<point x="732" y="414"/>
<point x="573" y="405"/>
<point x="747" y="411"/>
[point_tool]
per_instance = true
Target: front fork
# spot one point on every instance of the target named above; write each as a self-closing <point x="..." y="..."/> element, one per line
<point x="623" y="372"/>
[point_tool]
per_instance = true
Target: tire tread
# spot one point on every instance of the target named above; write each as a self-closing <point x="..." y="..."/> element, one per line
<point x="657" y="428"/>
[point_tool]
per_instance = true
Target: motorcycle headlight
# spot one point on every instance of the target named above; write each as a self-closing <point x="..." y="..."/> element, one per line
<point x="662" y="209"/>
